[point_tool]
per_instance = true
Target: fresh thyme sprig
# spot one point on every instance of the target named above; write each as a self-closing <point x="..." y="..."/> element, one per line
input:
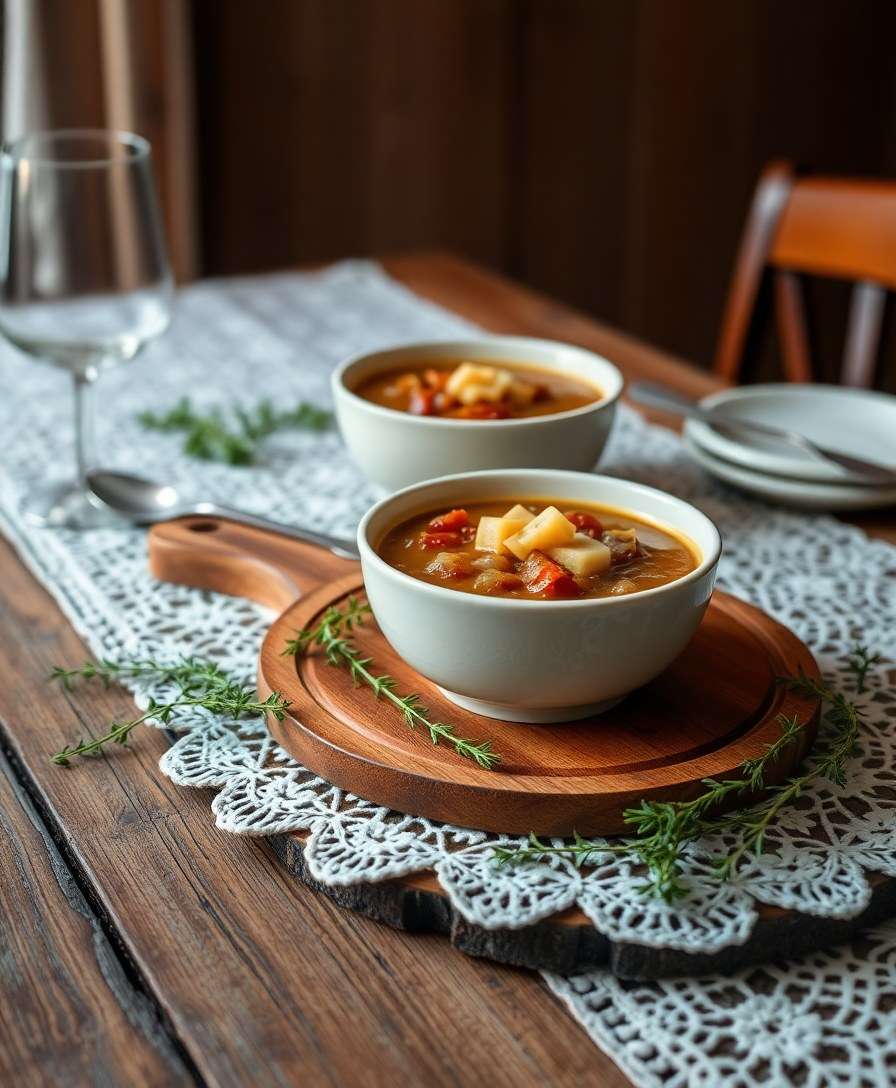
<point x="333" y="623"/>
<point x="330" y="634"/>
<point x="199" y="683"/>
<point x="663" y="828"/>
<point x="211" y="437"/>
<point x="845" y="719"/>
<point x="186" y="672"/>
<point x="860" y="661"/>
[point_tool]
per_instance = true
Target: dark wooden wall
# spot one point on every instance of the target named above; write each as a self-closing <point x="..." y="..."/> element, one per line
<point x="602" y="150"/>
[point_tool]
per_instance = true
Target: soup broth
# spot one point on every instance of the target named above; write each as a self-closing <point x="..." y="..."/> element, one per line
<point x="537" y="550"/>
<point x="459" y="389"/>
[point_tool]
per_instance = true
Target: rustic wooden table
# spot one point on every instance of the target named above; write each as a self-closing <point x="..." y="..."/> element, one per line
<point x="140" y="945"/>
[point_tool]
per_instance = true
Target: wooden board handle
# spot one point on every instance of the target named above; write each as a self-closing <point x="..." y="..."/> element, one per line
<point x="224" y="556"/>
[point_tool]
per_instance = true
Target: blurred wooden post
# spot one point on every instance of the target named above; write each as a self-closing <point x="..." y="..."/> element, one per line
<point x="124" y="64"/>
<point x="148" y="88"/>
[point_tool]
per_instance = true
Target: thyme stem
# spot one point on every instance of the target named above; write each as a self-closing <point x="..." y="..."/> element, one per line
<point x="340" y="651"/>
<point x="860" y="661"/>
<point x="200" y="684"/>
<point x="664" y="828"/>
<point x="235" y="440"/>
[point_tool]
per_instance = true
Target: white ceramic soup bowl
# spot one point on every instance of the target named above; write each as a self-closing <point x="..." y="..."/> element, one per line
<point x="539" y="660"/>
<point x="395" y="449"/>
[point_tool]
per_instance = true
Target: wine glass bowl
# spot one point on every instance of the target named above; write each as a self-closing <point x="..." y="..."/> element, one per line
<point x="84" y="277"/>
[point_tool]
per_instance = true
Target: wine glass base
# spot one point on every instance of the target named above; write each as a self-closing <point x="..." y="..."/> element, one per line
<point x="69" y="506"/>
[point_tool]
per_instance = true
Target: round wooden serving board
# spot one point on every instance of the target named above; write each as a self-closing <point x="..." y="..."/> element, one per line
<point x="716" y="706"/>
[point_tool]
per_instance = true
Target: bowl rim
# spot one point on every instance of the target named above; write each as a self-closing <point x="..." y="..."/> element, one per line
<point x="708" y="562"/>
<point x="340" y="388"/>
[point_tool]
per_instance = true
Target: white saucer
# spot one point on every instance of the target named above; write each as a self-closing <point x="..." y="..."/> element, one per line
<point x="857" y="421"/>
<point x="795" y="493"/>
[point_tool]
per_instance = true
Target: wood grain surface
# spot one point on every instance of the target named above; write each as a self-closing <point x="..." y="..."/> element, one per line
<point x="253" y="977"/>
<point x="71" y="1013"/>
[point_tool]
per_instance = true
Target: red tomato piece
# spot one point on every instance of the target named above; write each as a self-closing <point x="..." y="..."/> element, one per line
<point x="454" y="519"/>
<point x="585" y="523"/>
<point x="430" y="540"/>
<point x="542" y="575"/>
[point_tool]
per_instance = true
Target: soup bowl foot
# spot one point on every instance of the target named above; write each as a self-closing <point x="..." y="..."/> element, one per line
<point x="530" y="716"/>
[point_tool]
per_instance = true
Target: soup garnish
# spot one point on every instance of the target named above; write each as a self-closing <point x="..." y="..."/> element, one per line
<point x="466" y="390"/>
<point x="535" y="550"/>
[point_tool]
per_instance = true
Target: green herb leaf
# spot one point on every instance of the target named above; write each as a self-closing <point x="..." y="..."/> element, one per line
<point x="340" y="651"/>
<point x="860" y="661"/>
<point x="200" y="684"/>
<point x="211" y="437"/>
<point x="664" y="828"/>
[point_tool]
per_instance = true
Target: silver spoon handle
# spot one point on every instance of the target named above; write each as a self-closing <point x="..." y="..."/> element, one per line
<point x="652" y="395"/>
<point x="664" y="399"/>
<point x="346" y="549"/>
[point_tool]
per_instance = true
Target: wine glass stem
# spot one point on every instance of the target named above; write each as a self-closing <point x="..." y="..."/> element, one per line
<point x="83" y="428"/>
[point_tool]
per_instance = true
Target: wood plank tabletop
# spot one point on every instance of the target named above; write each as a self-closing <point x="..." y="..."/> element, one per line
<point x="141" y="945"/>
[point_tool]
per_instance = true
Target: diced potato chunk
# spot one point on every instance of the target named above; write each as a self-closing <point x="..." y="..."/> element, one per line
<point x="492" y="532"/>
<point x="520" y="513"/>
<point x="548" y="530"/>
<point x="522" y="393"/>
<point x="470" y="383"/>
<point x="582" y="556"/>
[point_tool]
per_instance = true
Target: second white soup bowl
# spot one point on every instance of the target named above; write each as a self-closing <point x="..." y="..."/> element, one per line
<point x="538" y="660"/>
<point x="395" y="449"/>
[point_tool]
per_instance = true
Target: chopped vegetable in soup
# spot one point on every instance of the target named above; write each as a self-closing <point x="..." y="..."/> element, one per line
<point x="537" y="550"/>
<point x="465" y="390"/>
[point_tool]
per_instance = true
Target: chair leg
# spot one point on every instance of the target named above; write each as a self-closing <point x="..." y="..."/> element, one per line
<point x="792" y="326"/>
<point x="866" y="313"/>
<point x="769" y="201"/>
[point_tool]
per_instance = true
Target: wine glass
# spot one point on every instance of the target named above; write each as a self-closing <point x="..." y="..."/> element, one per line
<point x="84" y="276"/>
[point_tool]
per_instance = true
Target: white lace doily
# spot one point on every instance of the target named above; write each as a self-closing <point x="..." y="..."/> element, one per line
<point x="232" y="341"/>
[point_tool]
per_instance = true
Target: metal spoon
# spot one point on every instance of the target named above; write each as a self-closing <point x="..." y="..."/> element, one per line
<point x="145" y="503"/>
<point x="652" y="395"/>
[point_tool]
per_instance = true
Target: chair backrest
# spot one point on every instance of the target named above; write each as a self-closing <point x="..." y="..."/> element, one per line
<point x="835" y="227"/>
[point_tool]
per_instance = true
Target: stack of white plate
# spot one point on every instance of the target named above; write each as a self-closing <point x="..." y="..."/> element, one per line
<point x="852" y="421"/>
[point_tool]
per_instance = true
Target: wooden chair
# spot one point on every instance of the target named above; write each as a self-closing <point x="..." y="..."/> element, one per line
<point x="835" y="227"/>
